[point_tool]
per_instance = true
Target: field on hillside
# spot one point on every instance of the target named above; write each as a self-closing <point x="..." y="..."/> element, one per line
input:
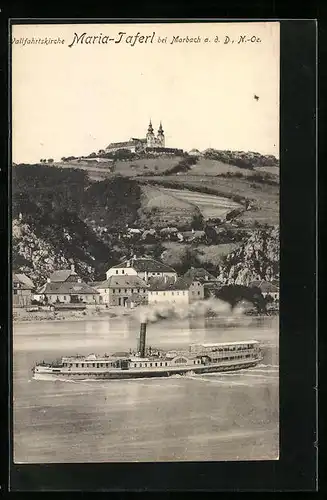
<point x="161" y="209"/>
<point x="264" y="198"/>
<point x="215" y="167"/>
<point x="268" y="170"/>
<point x="210" y="206"/>
<point x="164" y="199"/>
<point x="206" y="254"/>
<point x="158" y="165"/>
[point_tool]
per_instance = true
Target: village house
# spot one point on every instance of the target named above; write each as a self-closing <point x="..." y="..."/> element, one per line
<point x="200" y="274"/>
<point x="268" y="289"/>
<point x="142" y="267"/>
<point x="22" y="287"/>
<point x="209" y="282"/>
<point x="66" y="287"/>
<point x="192" y="235"/>
<point x="122" y="290"/>
<point x="177" y="291"/>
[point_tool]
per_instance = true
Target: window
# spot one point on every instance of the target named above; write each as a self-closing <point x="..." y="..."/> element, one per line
<point x="119" y="290"/>
<point x="82" y="365"/>
<point x="172" y="293"/>
<point x="15" y="292"/>
<point x="164" y="293"/>
<point x="150" y="364"/>
<point x="156" y="293"/>
<point x="138" y="290"/>
<point x="64" y="297"/>
<point x="113" y="291"/>
<point x="198" y="293"/>
<point x="76" y="365"/>
<point x="116" y="271"/>
<point x="160" y="364"/>
<point x="146" y="365"/>
<point x="166" y="364"/>
<point x="134" y="365"/>
<point x="123" y="271"/>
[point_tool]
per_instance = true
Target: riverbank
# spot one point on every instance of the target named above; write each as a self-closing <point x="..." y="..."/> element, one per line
<point x="23" y="316"/>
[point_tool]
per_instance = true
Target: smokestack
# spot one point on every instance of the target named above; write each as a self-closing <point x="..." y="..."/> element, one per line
<point x="142" y="340"/>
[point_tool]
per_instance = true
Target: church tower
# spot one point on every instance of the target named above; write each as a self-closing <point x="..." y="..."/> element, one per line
<point x="150" y="138"/>
<point x="161" y="137"/>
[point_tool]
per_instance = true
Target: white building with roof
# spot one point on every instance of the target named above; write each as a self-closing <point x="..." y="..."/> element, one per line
<point x="65" y="286"/>
<point x="177" y="291"/>
<point x="122" y="290"/>
<point x="142" y="267"/>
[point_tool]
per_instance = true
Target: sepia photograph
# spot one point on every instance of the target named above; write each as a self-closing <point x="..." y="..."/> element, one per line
<point x="145" y="242"/>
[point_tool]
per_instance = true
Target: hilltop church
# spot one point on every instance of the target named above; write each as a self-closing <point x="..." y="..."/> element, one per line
<point x="150" y="144"/>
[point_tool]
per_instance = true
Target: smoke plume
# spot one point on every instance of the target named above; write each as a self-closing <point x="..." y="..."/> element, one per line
<point x="157" y="312"/>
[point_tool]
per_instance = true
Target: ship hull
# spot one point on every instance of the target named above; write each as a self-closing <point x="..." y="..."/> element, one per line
<point x="46" y="374"/>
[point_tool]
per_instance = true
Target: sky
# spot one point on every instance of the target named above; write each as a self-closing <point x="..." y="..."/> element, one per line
<point x="76" y="100"/>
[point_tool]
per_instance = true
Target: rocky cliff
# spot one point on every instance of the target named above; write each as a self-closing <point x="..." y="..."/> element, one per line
<point x="256" y="259"/>
<point x="38" y="257"/>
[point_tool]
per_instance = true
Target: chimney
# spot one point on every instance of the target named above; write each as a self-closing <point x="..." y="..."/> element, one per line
<point x="72" y="268"/>
<point x="142" y="340"/>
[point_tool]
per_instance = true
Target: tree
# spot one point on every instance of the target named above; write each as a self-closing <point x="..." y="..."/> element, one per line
<point x="211" y="234"/>
<point x="233" y="294"/>
<point x="197" y="222"/>
<point x="50" y="160"/>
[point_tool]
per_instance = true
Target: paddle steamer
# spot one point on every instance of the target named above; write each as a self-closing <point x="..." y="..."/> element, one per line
<point x="149" y="362"/>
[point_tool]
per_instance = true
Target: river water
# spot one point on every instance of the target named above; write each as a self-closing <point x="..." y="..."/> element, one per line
<point x="230" y="416"/>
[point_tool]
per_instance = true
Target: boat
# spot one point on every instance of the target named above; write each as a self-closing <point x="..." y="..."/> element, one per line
<point x="152" y="362"/>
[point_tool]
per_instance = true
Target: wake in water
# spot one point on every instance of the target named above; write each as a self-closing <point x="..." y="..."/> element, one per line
<point x="155" y="313"/>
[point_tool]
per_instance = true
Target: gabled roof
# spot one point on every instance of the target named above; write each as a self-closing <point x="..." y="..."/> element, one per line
<point x="145" y="264"/>
<point x="122" y="281"/>
<point x="24" y="281"/>
<point x="199" y="273"/>
<point x="68" y="288"/>
<point x="61" y="275"/>
<point x="160" y="284"/>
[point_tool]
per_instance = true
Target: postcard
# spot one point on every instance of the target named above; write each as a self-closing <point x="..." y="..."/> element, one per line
<point x="145" y="242"/>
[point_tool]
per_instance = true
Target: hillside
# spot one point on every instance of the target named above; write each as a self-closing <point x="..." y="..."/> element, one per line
<point x="61" y="215"/>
